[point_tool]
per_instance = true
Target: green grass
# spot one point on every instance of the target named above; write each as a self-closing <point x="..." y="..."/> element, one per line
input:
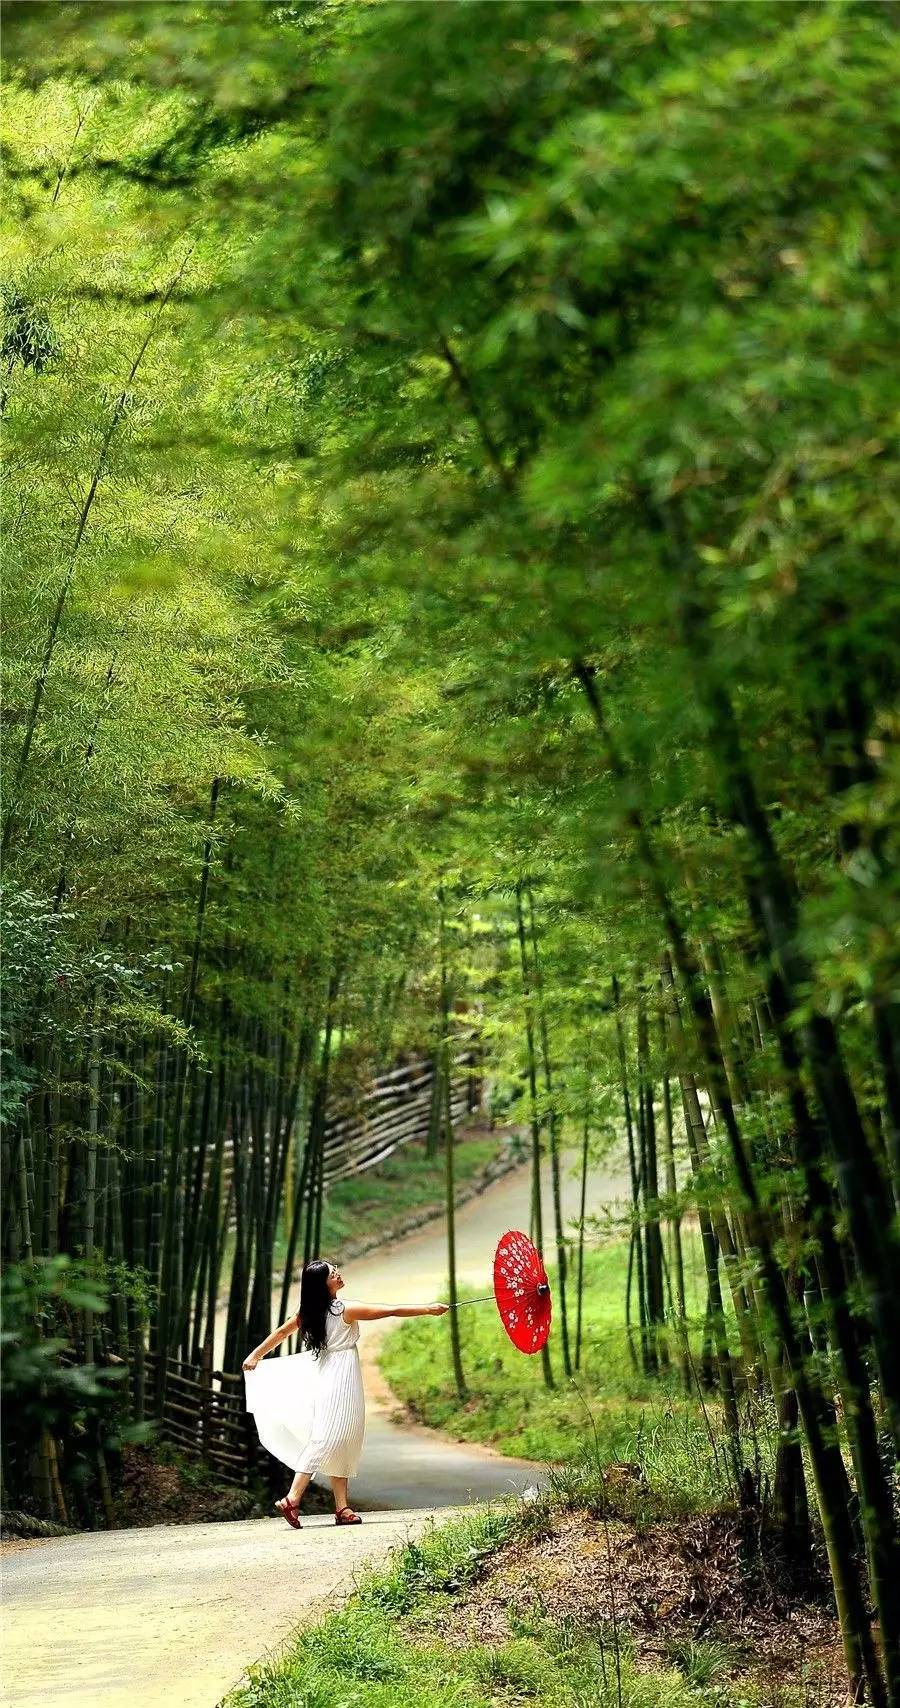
<point x="383" y="1649"/>
<point x="618" y="1414"/>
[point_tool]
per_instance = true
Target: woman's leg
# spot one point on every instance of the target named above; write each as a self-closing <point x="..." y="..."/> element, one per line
<point x="339" y="1489"/>
<point x="299" y="1486"/>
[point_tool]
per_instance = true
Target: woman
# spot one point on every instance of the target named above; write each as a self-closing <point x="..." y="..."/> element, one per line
<point x="318" y="1427"/>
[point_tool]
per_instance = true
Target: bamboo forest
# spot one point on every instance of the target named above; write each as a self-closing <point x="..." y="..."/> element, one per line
<point x="452" y="785"/>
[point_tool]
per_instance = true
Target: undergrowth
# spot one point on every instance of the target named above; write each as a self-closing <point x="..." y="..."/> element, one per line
<point x="393" y="1645"/>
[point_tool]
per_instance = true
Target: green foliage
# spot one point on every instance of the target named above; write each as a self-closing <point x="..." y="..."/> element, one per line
<point x="701" y="1662"/>
<point x="45" y="1389"/>
<point x="36" y="1298"/>
<point x="463" y="459"/>
<point x="448" y="1559"/>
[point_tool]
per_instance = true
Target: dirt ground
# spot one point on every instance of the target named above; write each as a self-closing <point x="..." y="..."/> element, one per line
<point x="156" y="1492"/>
<point x="665" y="1588"/>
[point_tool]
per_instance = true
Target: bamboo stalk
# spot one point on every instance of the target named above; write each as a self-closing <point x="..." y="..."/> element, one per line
<point x="582" y="1207"/>
<point x="169" y="1294"/>
<point x="537" y="1218"/>
<point x="676" y="1254"/>
<point x="650" y="1181"/>
<point x="636" y="1249"/>
<point x="449" y="1182"/>
<point x="90" y="1197"/>
<point x="556" y="1189"/>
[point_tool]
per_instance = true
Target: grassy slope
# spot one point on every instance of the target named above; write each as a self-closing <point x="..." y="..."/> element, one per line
<point x="407" y="1639"/>
<point x="406" y="1183"/>
<point x="508" y="1408"/>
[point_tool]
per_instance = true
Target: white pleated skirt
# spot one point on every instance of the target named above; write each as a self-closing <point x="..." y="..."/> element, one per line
<point x="310" y="1412"/>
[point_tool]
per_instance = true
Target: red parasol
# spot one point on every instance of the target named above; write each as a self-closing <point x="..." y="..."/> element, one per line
<point x="521" y="1292"/>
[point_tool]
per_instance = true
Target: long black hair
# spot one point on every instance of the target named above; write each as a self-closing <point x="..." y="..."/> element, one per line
<point x="315" y="1303"/>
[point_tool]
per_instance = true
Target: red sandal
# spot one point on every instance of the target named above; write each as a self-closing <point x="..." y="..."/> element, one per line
<point x="347" y="1516"/>
<point x="289" y="1509"/>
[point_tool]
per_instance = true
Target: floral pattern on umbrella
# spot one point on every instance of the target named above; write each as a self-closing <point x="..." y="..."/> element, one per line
<point x="522" y="1291"/>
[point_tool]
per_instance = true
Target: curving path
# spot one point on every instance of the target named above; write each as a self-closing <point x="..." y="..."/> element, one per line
<point x="406" y="1466"/>
<point x="174" y="1614"/>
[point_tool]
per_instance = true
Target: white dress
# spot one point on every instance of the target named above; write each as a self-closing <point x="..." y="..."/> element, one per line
<point x="311" y="1412"/>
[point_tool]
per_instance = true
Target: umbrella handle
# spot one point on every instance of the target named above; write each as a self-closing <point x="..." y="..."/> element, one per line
<point x="490" y="1298"/>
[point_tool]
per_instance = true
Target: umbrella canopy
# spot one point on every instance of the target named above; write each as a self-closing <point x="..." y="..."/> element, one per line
<point x="522" y="1291"/>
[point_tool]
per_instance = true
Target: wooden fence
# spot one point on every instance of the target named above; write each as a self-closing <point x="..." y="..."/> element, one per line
<point x="204" y="1416"/>
<point x="396" y="1109"/>
<point x="203" y="1411"/>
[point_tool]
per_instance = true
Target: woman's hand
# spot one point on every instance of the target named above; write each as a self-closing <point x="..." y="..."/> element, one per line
<point x="437" y="1310"/>
<point x="251" y="1361"/>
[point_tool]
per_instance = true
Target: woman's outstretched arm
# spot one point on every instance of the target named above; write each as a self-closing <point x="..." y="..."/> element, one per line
<point x="271" y="1341"/>
<point x="374" y="1313"/>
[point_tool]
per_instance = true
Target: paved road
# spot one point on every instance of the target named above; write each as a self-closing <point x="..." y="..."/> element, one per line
<point x="173" y="1615"/>
<point x="170" y="1617"/>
